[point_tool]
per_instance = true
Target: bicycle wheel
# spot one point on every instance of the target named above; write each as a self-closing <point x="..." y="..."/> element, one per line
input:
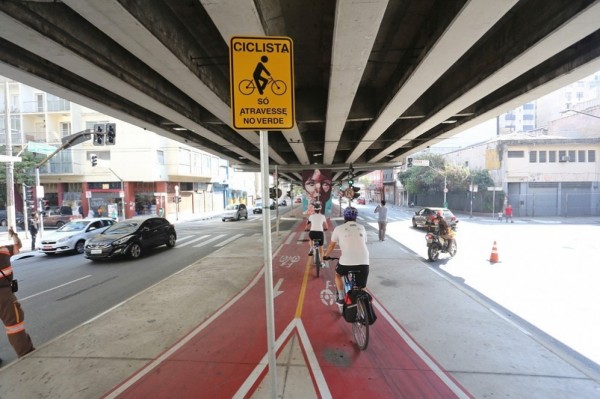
<point x="246" y="87"/>
<point x="317" y="257"/>
<point x="278" y="87"/>
<point x="360" y="328"/>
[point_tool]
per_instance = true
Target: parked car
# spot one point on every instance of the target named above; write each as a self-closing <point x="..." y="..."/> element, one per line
<point x="72" y="236"/>
<point x="259" y="204"/>
<point x="235" y="212"/>
<point x="298" y="200"/>
<point x="361" y="201"/>
<point x="131" y="238"/>
<point x="58" y="217"/>
<point x="4" y="218"/>
<point x="283" y="202"/>
<point x="425" y="216"/>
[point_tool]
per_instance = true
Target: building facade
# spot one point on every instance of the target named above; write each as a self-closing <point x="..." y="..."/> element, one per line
<point x="140" y="174"/>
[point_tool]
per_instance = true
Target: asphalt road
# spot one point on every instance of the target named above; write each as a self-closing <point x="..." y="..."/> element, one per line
<point x="547" y="272"/>
<point x="60" y="292"/>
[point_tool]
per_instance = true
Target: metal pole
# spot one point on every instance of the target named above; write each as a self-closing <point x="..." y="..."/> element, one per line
<point x="268" y="257"/>
<point x="40" y="202"/>
<point x="10" y="181"/>
<point x="471" y="214"/>
<point x="445" y="189"/>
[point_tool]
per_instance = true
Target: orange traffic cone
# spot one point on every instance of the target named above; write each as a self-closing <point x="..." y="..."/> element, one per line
<point x="494" y="255"/>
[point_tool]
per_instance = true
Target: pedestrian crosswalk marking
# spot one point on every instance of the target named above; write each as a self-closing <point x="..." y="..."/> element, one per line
<point x="229" y="240"/>
<point x="192" y="241"/>
<point x="209" y="241"/>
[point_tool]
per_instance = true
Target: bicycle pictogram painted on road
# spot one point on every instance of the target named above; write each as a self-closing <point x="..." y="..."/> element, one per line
<point x="288" y="261"/>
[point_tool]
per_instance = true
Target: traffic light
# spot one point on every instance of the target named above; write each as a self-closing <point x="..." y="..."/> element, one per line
<point x="99" y="130"/>
<point x="29" y="199"/>
<point x="94" y="159"/>
<point x="177" y="199"/>
<point x="272" y="192"/>
<point x="409" y="162"/>
<point x="356" y="194"/>
<point x="351" y="182"/>
<point x="111" y="133"/>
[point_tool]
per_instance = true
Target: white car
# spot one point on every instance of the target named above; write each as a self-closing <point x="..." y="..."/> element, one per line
<point x="71" y="237"/>
<point x="235" y="212"/>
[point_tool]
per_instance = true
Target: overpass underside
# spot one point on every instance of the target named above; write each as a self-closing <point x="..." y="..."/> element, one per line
<point x="374" y="81"/>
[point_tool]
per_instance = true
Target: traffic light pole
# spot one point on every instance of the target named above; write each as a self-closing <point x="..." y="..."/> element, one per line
<point x="68" y="141"/>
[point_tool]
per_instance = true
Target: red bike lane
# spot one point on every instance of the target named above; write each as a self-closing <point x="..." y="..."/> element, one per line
<point x="226" y="356"/>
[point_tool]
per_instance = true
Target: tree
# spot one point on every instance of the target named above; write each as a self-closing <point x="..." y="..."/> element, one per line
<point x="23" y="172"/>
<point x="430" y="179"/>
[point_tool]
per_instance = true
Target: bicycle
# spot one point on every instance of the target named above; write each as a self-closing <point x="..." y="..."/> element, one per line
<point x="360" y="325"/>
<point x="247" y="86"/>
<point x="316" y="255"/>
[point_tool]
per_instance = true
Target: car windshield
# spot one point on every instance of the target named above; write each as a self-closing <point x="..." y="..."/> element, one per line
<point x="125" y="227"/>
<point x="74" y="226"/>
<point x="232" y="207"/>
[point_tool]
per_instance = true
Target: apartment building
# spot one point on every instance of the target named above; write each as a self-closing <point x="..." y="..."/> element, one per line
<point x="140" y="174"/>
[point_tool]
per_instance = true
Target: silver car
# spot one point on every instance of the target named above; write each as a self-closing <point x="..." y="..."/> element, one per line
<point x="71" y="237"/>
<point x="235" y="212"/>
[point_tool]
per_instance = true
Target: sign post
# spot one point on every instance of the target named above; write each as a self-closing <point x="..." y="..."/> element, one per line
<point x="262" y="98"/>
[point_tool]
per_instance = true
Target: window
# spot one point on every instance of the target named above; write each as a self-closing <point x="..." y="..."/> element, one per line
<point x="532" y="156"/>
<point x="516" y="154"/>
<point x="160" y="156"/>
<point x="551" y="156"/>
<point x="562" y="156"/>
<point x="572" y="156"/>
<point x="542" y="155"/>
<point x="65" y="129"/>
<point x="39" y="102"/>
<point x="581" y="156"/>
<point x="591" y="155"/>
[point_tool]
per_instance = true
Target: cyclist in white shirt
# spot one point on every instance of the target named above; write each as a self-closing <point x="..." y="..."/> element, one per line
<point x="352" y="239"/>
<point x="316" y="225"/>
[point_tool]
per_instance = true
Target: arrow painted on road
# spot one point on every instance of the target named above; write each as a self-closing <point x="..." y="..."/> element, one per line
<point x="276" y="291"/>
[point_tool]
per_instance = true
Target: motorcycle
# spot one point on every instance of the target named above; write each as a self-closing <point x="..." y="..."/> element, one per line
<point x="437" y="244"/>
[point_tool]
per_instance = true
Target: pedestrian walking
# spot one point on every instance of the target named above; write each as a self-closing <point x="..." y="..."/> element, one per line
<point x="508" y="212"/>
<point x="10" y="309"/>
<point x="33" y="229"/>
<point x="382" y="219"/>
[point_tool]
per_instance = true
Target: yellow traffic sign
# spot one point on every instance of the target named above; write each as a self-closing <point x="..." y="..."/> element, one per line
<point x="262" y="82"/>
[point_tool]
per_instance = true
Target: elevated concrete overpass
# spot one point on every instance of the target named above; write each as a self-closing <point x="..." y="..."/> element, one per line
<point x="375" y="80"/>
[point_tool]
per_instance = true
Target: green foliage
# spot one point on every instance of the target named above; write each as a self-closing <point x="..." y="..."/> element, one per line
<point x="24" y="171"/>
<point x="430" y="179"/>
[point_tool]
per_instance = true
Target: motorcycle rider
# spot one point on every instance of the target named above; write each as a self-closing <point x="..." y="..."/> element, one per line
<point x="445" y="232"/>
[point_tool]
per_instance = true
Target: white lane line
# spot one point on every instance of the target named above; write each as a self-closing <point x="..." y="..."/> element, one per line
<point x="190" y="242"/>
<point x="458" y="391"/>
<point x="229" y="240"/>
<point x="55" y="288"/>
<point x="165" y="355"/>
<point x="209" y="241"/>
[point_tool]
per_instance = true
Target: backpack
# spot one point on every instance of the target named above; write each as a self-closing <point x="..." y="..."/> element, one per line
<point x="349" y="309"/>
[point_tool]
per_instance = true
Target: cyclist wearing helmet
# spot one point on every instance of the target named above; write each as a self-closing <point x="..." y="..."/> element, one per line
<point x="316" y="223"/>
<point x="352" y="239"/>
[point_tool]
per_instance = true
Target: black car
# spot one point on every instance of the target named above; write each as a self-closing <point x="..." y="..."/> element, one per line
<point x="130" y="237"/>
<point x="4" y="218"/>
